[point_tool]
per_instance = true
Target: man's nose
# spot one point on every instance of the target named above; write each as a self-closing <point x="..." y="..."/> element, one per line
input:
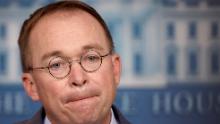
<point x="77" y="75"/>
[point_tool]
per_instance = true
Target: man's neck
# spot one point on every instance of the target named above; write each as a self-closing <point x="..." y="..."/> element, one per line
<point x="112" y="119"/>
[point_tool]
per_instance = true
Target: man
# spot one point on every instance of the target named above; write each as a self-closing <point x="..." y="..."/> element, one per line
<point x="70" y="66"/>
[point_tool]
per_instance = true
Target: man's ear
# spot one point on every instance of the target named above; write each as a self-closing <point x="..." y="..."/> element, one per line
<point x="30" y="86"/>
<point x="116" y="68"/>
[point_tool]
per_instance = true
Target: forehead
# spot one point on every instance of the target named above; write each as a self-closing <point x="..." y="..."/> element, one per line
<point x="77" y="17"/>
<point x="71" y="30"/>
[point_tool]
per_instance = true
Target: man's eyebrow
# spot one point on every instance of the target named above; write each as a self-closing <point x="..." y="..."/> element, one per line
<point x="53" y="53"/>
<point x="59" y="53"/>
<point x="93" y="46"/>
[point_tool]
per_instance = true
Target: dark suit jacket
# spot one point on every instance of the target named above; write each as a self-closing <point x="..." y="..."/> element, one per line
<point x="38" y="118"/>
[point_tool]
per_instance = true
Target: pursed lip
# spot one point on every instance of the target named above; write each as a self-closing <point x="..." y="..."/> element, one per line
<point x="80" y="98"/>
<point x="82" y="95"/>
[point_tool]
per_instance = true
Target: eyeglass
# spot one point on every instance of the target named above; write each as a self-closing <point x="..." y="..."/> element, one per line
<point x="60" y="68"/>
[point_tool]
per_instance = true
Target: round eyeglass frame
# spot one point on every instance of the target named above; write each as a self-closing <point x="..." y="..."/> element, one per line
<point x="70" y="63"/>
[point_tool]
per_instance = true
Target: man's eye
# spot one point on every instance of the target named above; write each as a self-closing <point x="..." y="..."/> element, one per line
<point x="92" y="58"/>
<point x="57" y="65"/>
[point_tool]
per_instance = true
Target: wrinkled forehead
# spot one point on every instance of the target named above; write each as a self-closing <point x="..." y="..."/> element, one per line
<point x="77" y="16"/>
<point x="60" y="15"/>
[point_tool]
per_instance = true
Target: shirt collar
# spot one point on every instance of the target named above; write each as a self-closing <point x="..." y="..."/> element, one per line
<point x="46" y="120"/>
<point x="113" y="120"/>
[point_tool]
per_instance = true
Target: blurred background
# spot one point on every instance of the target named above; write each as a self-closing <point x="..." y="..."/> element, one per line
<point x="170" y="53"/>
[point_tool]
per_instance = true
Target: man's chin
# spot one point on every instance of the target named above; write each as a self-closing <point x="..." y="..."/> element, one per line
<point x="82" y="118"/>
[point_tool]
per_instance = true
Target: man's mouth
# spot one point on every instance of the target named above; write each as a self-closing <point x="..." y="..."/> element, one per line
<point x="84" y="97"/>
<point x="81" y="98"/>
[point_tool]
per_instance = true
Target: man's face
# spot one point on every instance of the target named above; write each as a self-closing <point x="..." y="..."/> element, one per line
<point x="81" y="97"/>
